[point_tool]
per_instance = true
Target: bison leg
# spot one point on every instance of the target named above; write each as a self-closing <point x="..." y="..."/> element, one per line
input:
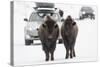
<point x="67" y="49"/>
<point x="45" y="49"/>
<point x="46" y="52"/>
<point x="67" y="53"/>
<point x="71" y="52"/>
<point x="52" y="52"/>
<point x="47" y="56"/>
<point x="74" y="52"/>
<point x="52" y="55"/>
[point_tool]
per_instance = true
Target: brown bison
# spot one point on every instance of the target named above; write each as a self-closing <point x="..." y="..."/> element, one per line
<point x="48" y="34"/>
<point x="69" y="31"/>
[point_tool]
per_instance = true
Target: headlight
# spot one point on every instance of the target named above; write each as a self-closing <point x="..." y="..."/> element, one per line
<point x="30" y="29"/>
<point x="27" y="36"/>
<point x="94" y="13"/>
<point x="83" y="12"/>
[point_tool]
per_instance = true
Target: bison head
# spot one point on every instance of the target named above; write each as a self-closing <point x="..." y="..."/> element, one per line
<point x="69" y="22"/>
<point x="50" y="25"/>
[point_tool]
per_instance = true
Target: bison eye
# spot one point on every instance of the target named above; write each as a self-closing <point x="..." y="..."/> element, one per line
<point x="44" y="25"/>
<point x="73" y="23"/>
<point x="56" y="25"/>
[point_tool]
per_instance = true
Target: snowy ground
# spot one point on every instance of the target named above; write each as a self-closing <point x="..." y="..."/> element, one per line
<point x="86" y="48"/>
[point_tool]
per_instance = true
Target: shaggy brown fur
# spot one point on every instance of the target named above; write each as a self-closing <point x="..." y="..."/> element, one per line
<point x="48" y="33"/>
<point x="69" y="31"/>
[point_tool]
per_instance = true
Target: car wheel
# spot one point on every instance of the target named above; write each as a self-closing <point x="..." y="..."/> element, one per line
<point x="93" y="17"/>
<point x="28" y="42"/>
<point x="81" y="18"/>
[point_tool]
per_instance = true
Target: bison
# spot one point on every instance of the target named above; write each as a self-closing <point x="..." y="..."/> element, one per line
<point x="69" y="31"/>
<point x="48" y="34"/>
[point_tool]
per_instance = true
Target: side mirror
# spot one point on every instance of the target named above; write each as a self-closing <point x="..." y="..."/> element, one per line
<point x="25" y="19"/>
<point x="35" y="8"/>
<point x="55" y="8"/>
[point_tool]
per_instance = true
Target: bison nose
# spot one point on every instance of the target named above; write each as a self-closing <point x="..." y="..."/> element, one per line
<point x="50" y="37"/>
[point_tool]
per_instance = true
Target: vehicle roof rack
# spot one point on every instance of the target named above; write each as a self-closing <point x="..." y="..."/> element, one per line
<point x="44" y="5"/>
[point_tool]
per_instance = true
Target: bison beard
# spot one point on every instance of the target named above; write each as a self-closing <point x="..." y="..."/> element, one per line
<point x="69" y="32"/>
<point x="48" y="34"/>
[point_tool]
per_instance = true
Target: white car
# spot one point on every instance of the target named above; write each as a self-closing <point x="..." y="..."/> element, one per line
<point x="35" y="20"/>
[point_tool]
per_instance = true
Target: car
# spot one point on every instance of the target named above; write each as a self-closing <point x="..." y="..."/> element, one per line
<point x="36" y="19"/>
<point x="86" y="12"/>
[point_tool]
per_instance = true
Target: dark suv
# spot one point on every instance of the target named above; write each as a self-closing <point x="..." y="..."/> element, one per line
<point x="86" y="12"/>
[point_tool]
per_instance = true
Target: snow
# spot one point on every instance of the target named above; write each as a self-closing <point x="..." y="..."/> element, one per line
<point x="85" y="47"/>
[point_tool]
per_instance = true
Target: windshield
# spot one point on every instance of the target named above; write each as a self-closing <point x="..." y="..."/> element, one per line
<point x="87" y="9"/>
<point x="39" y="16"/>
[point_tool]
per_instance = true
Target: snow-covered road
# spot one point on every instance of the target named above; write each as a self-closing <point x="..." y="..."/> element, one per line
<point x="85" y="47"/>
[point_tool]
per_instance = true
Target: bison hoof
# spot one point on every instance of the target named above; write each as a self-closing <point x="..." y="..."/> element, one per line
<point x="47" y="60"/>
<point x="74" y="55"/>
<point x="71" y="57"/>
<point x="66" y="57"/>
<point x="52" y="59"/>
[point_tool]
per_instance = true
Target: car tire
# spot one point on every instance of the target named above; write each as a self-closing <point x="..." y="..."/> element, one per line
<point x="93" y="17"/>
<point x="81" y="18"/>
<point x="28" y="42"/>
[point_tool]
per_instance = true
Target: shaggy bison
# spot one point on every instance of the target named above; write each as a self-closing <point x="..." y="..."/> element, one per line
<point x="48" y="34"/>
<point x="69" y="31"/>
